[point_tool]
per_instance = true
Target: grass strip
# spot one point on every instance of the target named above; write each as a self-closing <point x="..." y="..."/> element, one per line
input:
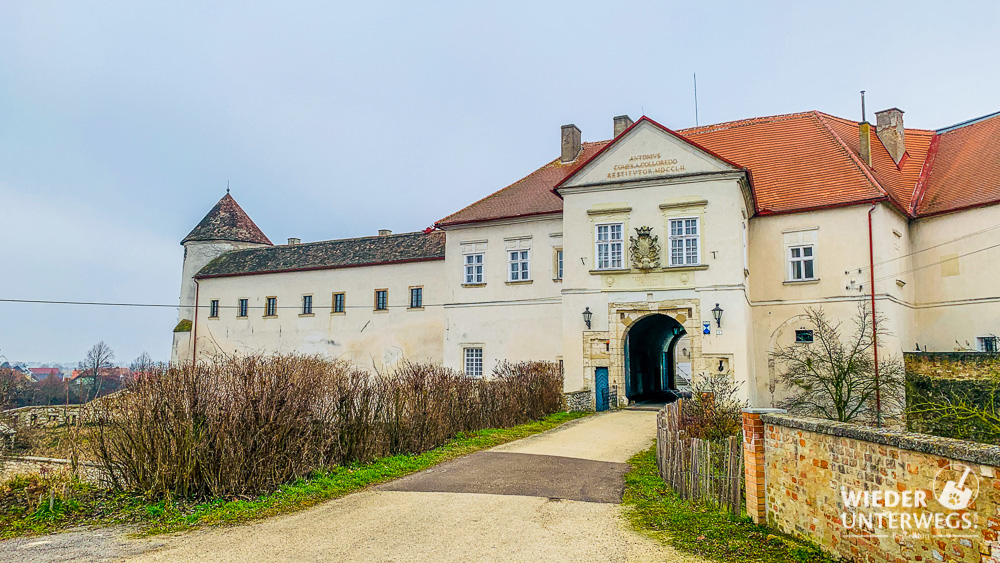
<point x="654" y="509"/>
<point x="91" y="506"/>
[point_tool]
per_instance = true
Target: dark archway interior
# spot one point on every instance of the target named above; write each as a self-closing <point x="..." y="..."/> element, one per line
<point x="649" y="359"/>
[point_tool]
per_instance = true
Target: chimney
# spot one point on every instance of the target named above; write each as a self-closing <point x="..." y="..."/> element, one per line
<point x="866" y="142"/>
<point x="570" y="143"/>
<point x="889" y="128"/>
<point x="384" y="232"/>
<point x="622" y="122"/>
<point x="292" y="241"/>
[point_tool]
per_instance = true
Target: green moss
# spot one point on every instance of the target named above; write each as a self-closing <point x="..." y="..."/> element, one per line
<point x="89" y="506"/>
<point x="183" y="326"/>
<point x="653" y="509"/>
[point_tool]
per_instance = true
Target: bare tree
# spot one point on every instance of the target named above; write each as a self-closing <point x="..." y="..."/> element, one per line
<point x="834" y="376"/>
<point x="98" y="358"/>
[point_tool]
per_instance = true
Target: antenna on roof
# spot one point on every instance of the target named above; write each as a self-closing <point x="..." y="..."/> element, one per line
<point x="696" y="99"/>
<point x="227" y="186"/>
<point x="863" y="118"/>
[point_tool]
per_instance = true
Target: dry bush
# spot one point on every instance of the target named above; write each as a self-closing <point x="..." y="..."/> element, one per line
<point x="241" y="426"/>
<point x="715" y="411"/>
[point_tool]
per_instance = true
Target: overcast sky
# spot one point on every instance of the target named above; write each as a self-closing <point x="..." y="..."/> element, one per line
<point x="122" y="122"/>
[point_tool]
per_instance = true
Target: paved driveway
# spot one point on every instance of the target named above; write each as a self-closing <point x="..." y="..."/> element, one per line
<point x="553" y="496"/>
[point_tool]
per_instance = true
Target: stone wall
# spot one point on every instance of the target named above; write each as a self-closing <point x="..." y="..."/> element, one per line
<point x="808" y="465"/>
<point x="44" y="415"/>
<point x="579" y="401"/>
<point x="29" y="465"/>
<point x="951" y="365"/>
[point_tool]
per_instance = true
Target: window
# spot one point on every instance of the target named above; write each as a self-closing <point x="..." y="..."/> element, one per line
<point x="519" y="270"/>
<point x="271" y="307"/>
<point x="307" y="304"/>
<point x="801" y="263"/>
<point x="609" y="246"/>
<point x="242" y="307"/>
<point x="559" y="264"/>
<point x="416" y="297"/>
<point x="683" y="240"/>
<point x="381" y="299"/>
<point x="803" y="336"/>
<point x="474" y="362"/>
<point x="474" y="269"/>
<point x="987" y="344"/>
<point x="338" y="302"/>
<point x="213" y="309"/>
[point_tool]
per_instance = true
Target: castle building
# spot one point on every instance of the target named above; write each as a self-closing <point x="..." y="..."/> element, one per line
<point x="641" y="263"/>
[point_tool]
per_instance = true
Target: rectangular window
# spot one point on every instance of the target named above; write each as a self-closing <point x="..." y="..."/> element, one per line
<point x="801" y="263"/>
<point x="803" y="336"/>
<point x="271" y="307"/>
<point x="987" y="344"/>
<point x="683" y="238"/>
<point x="242" y="308"/>
<point x="559" y="264"/>
<point x="474" y="269"/>
<point x="338" y="302"/>
<point x="519" y="269"/>
<point x="416" y="297"/>
<point x="213" y="309"/>
<point x="474" y="362"/>
<point x="307" y="304"/>
<point x="381" y="299"/>
<point x="609" y="245"/>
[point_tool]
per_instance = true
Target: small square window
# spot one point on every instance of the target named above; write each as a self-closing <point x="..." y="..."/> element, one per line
<point x="338" y="302"/>
<point x="987" y="344"/>
<point x="242" y="308"/>
<point x="381" y="299"/>
<point x="416" y="297"/>
<point x="307" y="304"/>
<point x="271" y="307"/>
<point x="803" y="336"/>
<point x="474" y="362"/>
<point x="213" y="309"/>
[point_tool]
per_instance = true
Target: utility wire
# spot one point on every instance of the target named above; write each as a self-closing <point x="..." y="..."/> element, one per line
<point x="936" y="263"/>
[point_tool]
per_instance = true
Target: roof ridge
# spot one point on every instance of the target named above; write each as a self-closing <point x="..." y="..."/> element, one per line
<point x="722" y="126"/>
<point x="967" y="123"/>
<point x="854" y="158"/>
<point x="393" y="235"/>
<point x="847" y="120"/>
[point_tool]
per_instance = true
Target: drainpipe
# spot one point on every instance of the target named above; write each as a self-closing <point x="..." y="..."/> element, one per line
<point x="871" y="270"/>
<point x="194" y="329"/>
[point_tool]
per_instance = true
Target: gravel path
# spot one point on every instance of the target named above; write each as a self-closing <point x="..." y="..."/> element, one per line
<point x="553" y="496"/>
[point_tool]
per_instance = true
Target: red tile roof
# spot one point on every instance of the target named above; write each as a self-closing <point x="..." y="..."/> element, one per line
<point x="964" y="168"/>
<point x="227" y="221"/>
<point x="804" y="161"/>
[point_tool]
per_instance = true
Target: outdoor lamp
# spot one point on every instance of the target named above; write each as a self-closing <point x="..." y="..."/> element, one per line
<point x="717" y="314"/>
<point x="587" y="315"/>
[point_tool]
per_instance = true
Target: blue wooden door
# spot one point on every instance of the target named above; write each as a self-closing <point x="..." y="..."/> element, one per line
<point x="601" y="388"/>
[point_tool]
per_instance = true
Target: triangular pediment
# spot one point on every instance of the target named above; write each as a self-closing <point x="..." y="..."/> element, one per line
<point x="646" y="151"/>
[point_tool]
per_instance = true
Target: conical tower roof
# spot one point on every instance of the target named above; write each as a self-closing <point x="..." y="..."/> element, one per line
<point x="227" y="221"/>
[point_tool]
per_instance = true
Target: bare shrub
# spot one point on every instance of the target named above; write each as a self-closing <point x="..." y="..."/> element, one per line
<point x="715" y="411"/>
<point x="242" y="426"/>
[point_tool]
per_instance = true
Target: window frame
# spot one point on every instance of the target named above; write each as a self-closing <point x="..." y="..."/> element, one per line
<point x="270" y="306"/>
<point x="557" y="263"/>
<point x="610" y="242"/>
<point x="801" y="259"/>
<point x="684" y="237"/>
<point x="343" y="303"/>
<point x="466" y="265"/>
<point x="982" y="346"/>
<point x="242" y="307"/>
<point x="385" y="299"/>
<point x="419" y="303"/>
<point x="521" y="257"/>
<point x="307" y="306"/>
<point x="213" y="309"/>
<point x="811" y="333"/>
<point x="466" y="359"/>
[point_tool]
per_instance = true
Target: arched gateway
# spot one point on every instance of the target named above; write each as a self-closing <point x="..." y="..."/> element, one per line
<point x="650" y="361"/>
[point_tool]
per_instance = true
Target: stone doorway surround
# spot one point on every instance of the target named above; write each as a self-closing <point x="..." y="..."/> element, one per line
<point x="607" y="348"/>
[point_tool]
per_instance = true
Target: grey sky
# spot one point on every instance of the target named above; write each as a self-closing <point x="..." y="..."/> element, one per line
<point x="120" y="123"/>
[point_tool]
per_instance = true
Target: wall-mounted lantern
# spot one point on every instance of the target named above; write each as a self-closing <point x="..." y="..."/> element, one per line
<point x="717" y="315"/>
<point x="587" y="315"/>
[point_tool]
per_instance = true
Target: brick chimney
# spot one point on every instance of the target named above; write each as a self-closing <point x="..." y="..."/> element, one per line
<point x="292" y="241"/>
<point x="889" y="128"/>
<point x="570" y="143"/>
<point x="622" y="122"/>
<point x="384" y="232"/>
<point x="866" y="142"/>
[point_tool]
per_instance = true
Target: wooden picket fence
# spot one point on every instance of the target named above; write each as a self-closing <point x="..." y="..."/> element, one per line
<point x="705" y="471"/>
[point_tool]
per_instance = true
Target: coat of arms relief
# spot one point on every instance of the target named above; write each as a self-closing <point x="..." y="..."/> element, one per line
<point x="645" y="249"/>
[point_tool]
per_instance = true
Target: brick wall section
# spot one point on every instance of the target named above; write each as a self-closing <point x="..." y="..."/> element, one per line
<point x="807" y="461"/>
<point x="952" y="365"/>
<point x="753" y="462"/>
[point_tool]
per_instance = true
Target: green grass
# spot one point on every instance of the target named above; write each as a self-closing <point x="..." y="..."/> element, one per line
<point x="654" y="509"/>
<point x="90" y="506"/>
